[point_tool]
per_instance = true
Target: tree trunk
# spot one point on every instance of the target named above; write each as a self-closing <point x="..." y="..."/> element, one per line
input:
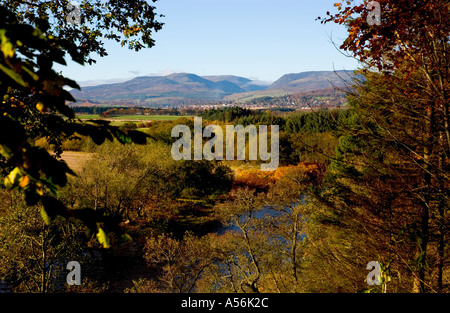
<point x="441" y="218"/>
<point x="294" y="248"/>
<point x="423" y="237"/>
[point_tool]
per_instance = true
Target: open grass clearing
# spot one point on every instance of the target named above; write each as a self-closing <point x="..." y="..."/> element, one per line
<point x="131" y="118"/>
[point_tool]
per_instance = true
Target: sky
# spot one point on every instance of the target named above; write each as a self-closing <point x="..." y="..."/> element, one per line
<point x="257" y="39"/>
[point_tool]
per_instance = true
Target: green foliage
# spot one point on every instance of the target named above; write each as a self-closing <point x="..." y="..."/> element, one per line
<point x="316" y="121"/>
<point x="128" y="126"/>
<point x="225" y="115"/>
<point x="142" y="182"/>
<point x="261" y="118"/>
<point x="380" y="182"/>
<point x="30" y="88"/>
<point x="161" y="130"/>
<point x="103" y="238"/>
<point x="32" y="252"/>
<point x="126" y="22"/>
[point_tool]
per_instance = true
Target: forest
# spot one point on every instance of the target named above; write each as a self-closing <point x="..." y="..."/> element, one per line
<point x="202" y="226"/>
<point x="368" y="182"/>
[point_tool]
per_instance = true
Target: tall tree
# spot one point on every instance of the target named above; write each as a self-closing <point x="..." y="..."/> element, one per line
<point x="130" y="23"/>
<point x="408" y="118"/>
<point x="31" y="89"/>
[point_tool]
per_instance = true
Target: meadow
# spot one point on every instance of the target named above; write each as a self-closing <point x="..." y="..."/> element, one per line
<point x="122" y="119"/>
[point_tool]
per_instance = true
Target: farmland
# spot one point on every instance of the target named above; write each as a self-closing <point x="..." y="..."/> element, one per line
<point x="130" y="118"/>
<point x="122" y="119"/>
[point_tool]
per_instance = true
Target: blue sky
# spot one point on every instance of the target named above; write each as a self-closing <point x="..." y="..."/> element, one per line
<point x="258" y="39"/>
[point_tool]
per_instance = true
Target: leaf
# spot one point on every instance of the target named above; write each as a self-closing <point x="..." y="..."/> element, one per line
<point x="51" y="208"/>
<point x="103" y="238"/>
<point x="25" y="181"/>
<point x="41" y="107"/>
<point x="13" y="74"/>
<point x="12" y="178"/>
<point x="127" y="238"/>
<point x="5" y="151"/>
<point x="6" y="46"/>
<point x="47" y="219"/>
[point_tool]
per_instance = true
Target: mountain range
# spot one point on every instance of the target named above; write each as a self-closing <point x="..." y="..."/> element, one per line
<point x="161" y="89"/>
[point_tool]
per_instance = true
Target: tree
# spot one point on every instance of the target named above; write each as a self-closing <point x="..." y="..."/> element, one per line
<point x="367" y="202"/>
<point x="32" y="254"/>
<point x="28" y="81"/>
<point x="182" y="261"/>
<point x="409" y="49"/>
<point x="289" y="199"/>
<point x="243" y="259"/>
<point x="127" y="22"/>
<point x="261" y="247"/>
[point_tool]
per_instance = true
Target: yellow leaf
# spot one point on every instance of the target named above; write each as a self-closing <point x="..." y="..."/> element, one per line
<point x="103" y="238"/>
<point x="45" y="216"/>
<point x="41" y="107"/>
<point x="13" y="176"/>
<point x="6" y="45"/>
<point x="39" y="189"/>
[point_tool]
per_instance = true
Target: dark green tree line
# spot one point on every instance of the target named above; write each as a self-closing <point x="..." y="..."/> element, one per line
<point x="387" y="192"/>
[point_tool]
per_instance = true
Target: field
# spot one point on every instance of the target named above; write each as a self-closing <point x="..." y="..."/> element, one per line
<point x="247" y="96"/>
<point x="131" y="118"/>
<point x="76" y="160"/>
<point x="122" y="119"/>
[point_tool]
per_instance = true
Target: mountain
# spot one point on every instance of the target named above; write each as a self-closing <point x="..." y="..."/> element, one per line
<point x="307" y="81"/>
<point x="178" y="85"/>
<point x="245" y="83"/>
<point x="190" y="87"/>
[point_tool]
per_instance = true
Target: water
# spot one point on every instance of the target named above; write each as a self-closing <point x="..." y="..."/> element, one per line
<point x="4" y="287"/>
<point x="265" y="212"/>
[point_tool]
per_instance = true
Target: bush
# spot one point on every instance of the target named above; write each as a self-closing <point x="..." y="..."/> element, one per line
<point x="128" y="126"/>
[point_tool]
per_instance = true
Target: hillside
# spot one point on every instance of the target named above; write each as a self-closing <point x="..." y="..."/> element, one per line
<point x="307" y="81"/>
<point x="179" y="88"/>
<point x="178" y="85"/>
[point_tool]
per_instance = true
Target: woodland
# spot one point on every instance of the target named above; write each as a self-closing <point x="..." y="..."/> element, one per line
<point x="366" y="182"/>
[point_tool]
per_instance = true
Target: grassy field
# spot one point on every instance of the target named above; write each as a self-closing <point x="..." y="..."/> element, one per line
<point x="76" y="160"/>
<point x="247" y="96"/>
<point x="134" y="118"/>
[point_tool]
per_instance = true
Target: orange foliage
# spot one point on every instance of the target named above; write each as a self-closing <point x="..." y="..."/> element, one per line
<point x="253" y="178"/>
<point x="398" y="35"/>
<point x="305" y="167"/>
<point x="261" y="180"/>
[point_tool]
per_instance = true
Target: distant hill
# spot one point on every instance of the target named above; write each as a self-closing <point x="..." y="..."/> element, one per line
<point x="307" y="81"/>
<point x="178" y="85"/>
<point x="245" y="83"/>
<point x="190" y="87"/>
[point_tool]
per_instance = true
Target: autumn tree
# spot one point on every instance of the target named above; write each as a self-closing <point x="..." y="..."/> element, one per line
<point x="34" y="35"/>
<point x="261" y="248"/>
<point x="33" y="255"/>
<point x="182" y="262"/>
<point x="243" y="258"/>
<point x="402" y="110"/>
